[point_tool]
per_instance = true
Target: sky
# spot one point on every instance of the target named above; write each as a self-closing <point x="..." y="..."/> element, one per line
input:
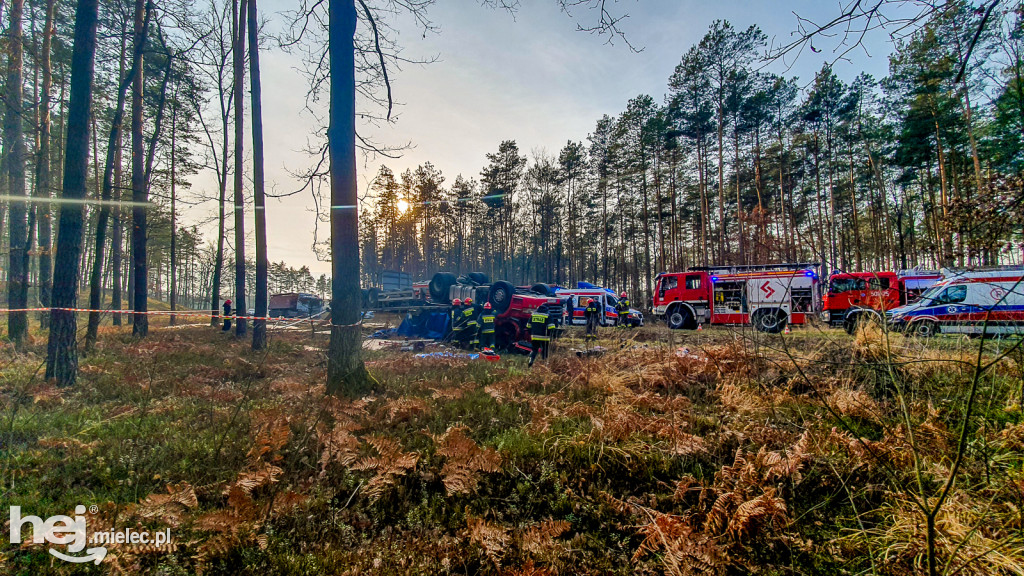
<point x="530" y="77"/>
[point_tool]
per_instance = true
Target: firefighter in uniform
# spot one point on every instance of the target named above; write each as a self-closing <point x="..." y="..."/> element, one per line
<point x="592" y="314"/>
<point x="227" y="316"/>
<point x="485" y="339"/>
<point x="540" y="326"/>
<point x="469" y="324"/>
<point x="622" y="310"/>
<point x="456" y="318"/>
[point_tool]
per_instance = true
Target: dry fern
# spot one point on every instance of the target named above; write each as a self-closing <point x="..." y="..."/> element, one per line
<point x="540" y="538"/>
<point x="492" y="538"/>
<point x="464" y="461"/>
<point x="337" y="445"/>
<point x="389" y="466"/>
<point x="169" y="508"/>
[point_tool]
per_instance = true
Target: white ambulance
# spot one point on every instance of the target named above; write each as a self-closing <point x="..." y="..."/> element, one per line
<point x="967" y="302"/>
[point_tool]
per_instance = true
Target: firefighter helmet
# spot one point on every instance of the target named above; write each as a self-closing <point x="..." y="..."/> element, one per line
<point x="487" y="306"/>
<point x="227" y="301"/>
<point x="456" y="302"/>
<point x="623" y="295"/>
<point x="468" y="302"/>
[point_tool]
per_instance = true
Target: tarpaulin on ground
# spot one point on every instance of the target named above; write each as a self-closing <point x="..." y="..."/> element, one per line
<point x="383" y="334"/>
<point x="433" y="325"/>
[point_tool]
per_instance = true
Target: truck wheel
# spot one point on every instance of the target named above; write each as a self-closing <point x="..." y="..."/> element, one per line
<point x="679" y="318"/>
<point x="440" y="285"/>
<point x="541" y="288"/>
<point x="500" y="296"/>
<point x="478" y="278"/>
<point x="372" y="298"/>
<point x="856" y="321"/>
<point x="769" y="321"/>
<point x="925" y="328"/>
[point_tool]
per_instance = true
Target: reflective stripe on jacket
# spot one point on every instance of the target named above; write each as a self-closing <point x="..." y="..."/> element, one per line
<point x="487" y="324"/>
<point x="538" y="327"/>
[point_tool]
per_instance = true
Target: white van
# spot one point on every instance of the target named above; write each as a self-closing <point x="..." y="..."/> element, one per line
<point x="967" y="302"/>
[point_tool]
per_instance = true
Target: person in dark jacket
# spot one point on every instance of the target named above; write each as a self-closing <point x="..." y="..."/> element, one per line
<point x="592" y="314"/>
<point x="540" y="326"/>
<point x="458" y="325"/>
<point x="467" y="324"/>
<point x="622" y="311"/>
<point x="486" y="334"/>
<point x="227" y="316"/>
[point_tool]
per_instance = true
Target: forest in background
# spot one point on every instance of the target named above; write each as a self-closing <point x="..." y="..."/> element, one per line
<point x="734" y="165"/>
<point x="737" y="165"/>
<point x="186" y="120"/>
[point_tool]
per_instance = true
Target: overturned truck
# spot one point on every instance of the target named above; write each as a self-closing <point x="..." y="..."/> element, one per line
<point x="512" y="305"/>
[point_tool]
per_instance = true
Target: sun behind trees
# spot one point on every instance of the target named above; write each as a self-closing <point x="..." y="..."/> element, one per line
<point x="736" y="166"/>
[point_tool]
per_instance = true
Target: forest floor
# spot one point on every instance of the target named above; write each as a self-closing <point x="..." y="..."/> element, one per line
<point x="713" y="452"/>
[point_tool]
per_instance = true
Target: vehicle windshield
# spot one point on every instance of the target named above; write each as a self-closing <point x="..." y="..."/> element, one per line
<point x="931" y="293"/>
<point x="839" y="285"/>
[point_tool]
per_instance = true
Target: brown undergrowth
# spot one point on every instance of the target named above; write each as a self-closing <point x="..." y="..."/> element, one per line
<point x="726" y="456"/>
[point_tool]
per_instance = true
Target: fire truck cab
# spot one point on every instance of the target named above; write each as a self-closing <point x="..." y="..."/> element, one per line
<point x="768" y="297"/>
<point x="855" y="297"/>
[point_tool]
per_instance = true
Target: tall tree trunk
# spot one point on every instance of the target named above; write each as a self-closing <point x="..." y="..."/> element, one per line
<point x="856" y="219"/>
<point x="648" y="241"/>
<point x="259" y="327"/>
<point x="742" y="259"/>
<point x="62" y="354"/>
<point x="705" y="205"/>
<point x="140" y="195"/>
<point x="239" y="91"/>
<point x="218" y="265"/>
<point x="14" y="142"/>
<point x="173" y="264"/>
<point x="117" y="235"/>
<point x="346" y="373"/>
<point x="113" y="143"/>
<point x="946" y="257"/>
<point x="721" y="184"/>
<point x="44" y="186"/>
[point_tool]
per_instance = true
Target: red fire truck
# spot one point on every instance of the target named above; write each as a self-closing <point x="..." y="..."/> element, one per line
<point x="768" y="297"/>
<point x="855" y="297"/>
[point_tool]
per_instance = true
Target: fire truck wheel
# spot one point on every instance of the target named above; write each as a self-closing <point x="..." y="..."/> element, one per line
<point x="770" y="321"/>
<point x="855" y="321"/>
<point x="440" y="285"/>
<point x="478" y="278"/>
<point x="679" y="318"/>
<point x="541" y="288"/>
<point x="925" y="328"/>
<point x="500" y="296"/>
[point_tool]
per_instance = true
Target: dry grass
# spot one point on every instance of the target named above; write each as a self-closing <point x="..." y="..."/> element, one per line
<point x="734" y="456"/>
